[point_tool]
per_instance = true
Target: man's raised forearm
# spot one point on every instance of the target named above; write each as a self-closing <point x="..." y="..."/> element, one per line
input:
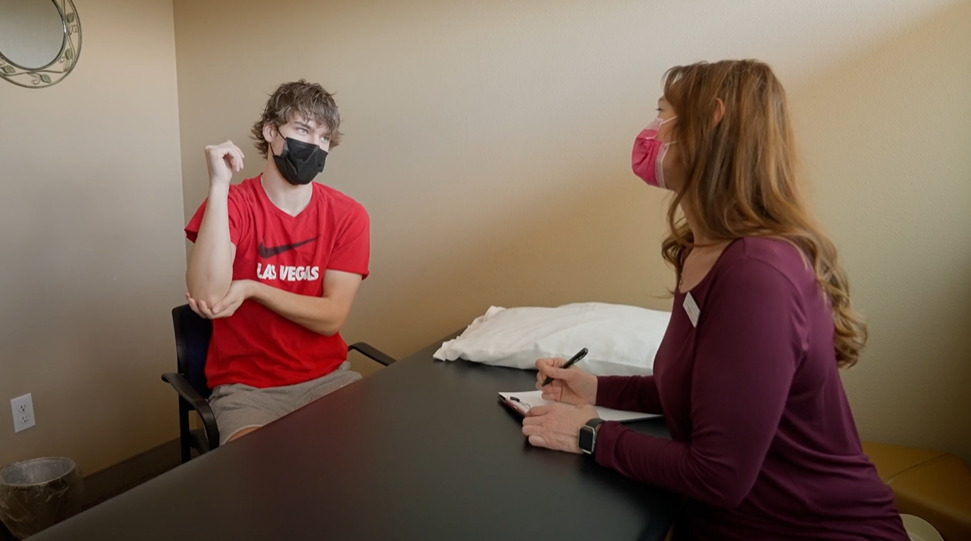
<point x="210" y="269"/>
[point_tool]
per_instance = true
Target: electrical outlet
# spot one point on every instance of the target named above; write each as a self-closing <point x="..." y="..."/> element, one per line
<point x="23" y="412"/>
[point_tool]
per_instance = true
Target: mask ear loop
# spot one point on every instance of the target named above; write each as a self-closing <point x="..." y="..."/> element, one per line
<point x="286" y="145"/>
<point x="659" y="164"/>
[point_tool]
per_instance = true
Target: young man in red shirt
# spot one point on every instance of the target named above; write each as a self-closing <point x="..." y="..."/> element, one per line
<point x="276" y="263"/>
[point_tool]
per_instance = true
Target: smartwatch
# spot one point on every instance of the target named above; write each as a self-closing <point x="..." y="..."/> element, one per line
<point x="587" y="438"/>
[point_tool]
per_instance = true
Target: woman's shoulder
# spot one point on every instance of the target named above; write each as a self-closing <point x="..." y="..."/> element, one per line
<point x="767" y="247"/>
<point x="773" y="253"/>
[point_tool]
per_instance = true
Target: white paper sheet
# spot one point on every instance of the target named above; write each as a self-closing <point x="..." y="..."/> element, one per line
<point x="522" y="401"/>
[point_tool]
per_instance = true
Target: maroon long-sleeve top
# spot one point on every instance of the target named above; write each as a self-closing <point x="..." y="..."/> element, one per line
<point x="763" y="441"/>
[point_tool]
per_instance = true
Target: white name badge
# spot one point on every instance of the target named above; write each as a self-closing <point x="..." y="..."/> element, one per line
<point x="691" y="308"/>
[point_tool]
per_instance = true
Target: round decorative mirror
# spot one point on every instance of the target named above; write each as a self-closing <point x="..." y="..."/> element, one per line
<point x="40" y="41"/>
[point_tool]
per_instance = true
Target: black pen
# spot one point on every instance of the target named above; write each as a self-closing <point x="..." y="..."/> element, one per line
<point x="572" y="361"/>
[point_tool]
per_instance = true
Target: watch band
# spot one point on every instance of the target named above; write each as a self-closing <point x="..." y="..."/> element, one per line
<point x="587" y="438"/>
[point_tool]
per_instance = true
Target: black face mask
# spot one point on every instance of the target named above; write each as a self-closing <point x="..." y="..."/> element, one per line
<point x="300" y="162"/>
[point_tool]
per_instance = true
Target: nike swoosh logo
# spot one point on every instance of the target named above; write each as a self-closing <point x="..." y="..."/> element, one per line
<point x="267" y="252"/>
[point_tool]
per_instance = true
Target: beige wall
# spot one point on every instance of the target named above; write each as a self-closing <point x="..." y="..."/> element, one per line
<point x="886" y="139"/>
<point x="490" y="143"/>
<point x="90" y="210"/>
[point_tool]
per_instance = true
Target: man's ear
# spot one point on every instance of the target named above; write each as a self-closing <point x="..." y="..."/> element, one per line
<point x="719" y="113"/>
<point x="269" y="130"/>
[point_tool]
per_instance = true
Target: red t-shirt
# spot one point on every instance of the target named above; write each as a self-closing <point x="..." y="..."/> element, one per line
<point x="763" y="441"/>
<point x="255" y="346"/>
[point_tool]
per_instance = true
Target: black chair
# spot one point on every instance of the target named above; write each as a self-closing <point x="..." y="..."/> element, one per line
<point x="192" y="334"/>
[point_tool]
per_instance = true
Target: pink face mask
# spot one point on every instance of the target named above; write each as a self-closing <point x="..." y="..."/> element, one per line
<point x="647" y="158"/>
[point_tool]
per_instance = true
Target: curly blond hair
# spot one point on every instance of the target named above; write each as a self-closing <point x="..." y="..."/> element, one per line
<point x="308" y="100"/>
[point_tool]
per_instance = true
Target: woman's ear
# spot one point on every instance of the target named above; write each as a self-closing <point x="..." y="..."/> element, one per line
<point x="719" y="113"/>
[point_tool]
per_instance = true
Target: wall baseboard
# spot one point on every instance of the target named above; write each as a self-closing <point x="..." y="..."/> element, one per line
<point x="129" y="473"/>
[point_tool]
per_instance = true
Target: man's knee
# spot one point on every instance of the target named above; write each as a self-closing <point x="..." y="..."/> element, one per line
<point x="242" y="432"/>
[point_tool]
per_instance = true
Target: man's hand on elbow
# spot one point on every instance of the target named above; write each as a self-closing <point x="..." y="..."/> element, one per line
<point x="198" y="306"/>
<point x="239" y="291"/>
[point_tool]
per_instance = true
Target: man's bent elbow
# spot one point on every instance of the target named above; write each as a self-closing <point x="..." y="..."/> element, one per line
<point x="328" y="328"/>
<point x="206" y="295"/>
<point x="208" y="289"/>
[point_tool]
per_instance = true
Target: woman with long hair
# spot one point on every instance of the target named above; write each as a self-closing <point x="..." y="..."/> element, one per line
<point x="763" y="445"/>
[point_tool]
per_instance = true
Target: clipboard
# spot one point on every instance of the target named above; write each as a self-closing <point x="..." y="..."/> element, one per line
<point x="521" y="402"/>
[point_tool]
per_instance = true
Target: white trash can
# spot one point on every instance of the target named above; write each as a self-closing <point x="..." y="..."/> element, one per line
<point x="38" y="493"/>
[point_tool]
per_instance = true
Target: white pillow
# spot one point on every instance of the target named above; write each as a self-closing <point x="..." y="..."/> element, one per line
<point x="621" y="340"/>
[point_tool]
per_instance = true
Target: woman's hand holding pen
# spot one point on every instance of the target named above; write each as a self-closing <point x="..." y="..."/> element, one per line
<point x="556" y="426"/>
<point x="571" y="385"/>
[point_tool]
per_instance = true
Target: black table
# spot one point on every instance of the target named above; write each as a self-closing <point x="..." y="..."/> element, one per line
<point x="420" y="450"/>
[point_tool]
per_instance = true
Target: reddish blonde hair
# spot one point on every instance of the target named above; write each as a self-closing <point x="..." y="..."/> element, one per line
<point x="741" y="177"/>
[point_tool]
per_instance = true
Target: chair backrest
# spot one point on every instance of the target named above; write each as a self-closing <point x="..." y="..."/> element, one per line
<point x="192" y="333"/>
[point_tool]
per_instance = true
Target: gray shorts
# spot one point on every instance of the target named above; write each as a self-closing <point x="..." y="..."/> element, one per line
<point x="238" y="406"/>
